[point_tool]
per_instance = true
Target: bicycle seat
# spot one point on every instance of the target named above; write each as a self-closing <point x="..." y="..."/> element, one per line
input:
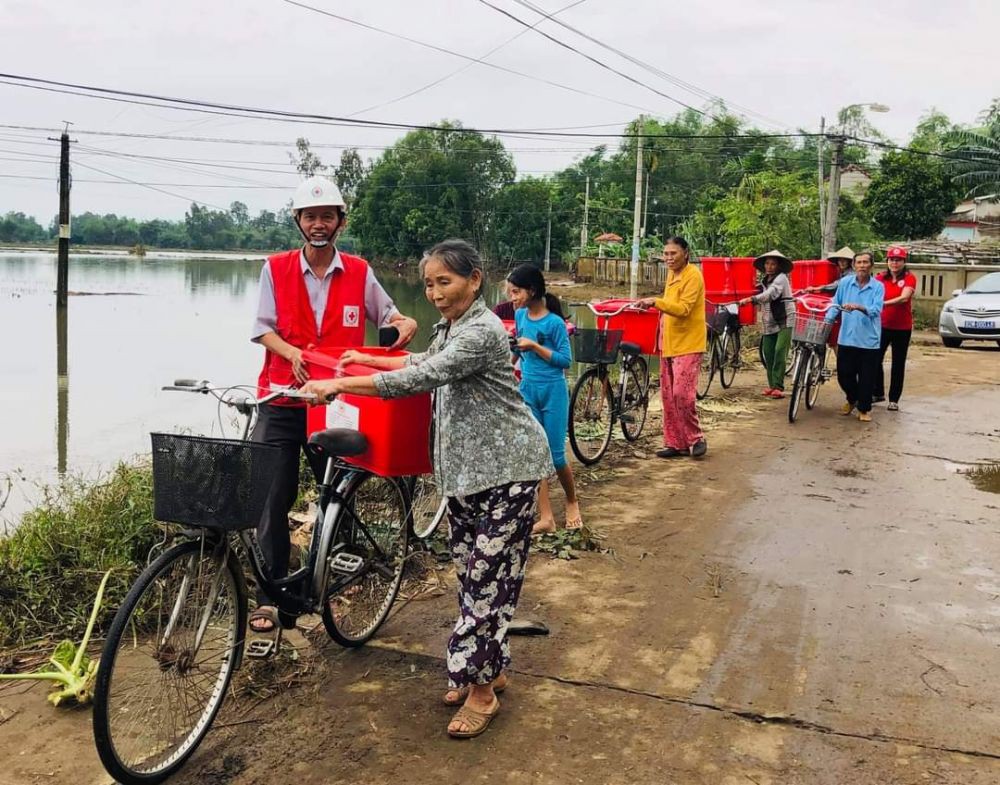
<point x="339" y="442"/>
<point x="629" y="348"/>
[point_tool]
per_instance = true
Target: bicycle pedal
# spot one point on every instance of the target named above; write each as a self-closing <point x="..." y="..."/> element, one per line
<point x="346" y="563"/>
<point x="262" y="648"/>
<point x="627" y="418"/>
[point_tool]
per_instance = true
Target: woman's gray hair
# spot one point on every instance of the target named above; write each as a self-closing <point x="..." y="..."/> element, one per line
<point x="459" y="257"/>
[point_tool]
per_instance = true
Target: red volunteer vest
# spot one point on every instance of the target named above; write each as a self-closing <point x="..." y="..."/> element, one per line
<point x="343" y="320"/>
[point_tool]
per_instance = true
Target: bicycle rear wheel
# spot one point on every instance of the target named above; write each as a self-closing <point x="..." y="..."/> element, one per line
<point x="635" y="400"/>
<point x="428" y="507"/>
<point x="158" y="690"/>
<point x="815" y="377"/>
<point x="591" y="418"/>
<point x="365" y="563"/>
<point x="730" y="358"/>
<point x="799" y="374"/>
<point x="709" y="365"/>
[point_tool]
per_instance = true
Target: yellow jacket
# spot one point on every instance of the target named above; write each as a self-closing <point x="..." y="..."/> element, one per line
<point x="683" y="308"/>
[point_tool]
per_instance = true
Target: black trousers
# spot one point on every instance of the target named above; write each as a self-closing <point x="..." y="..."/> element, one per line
<point x="284" y="427"/>
<point x="856" y="372"/>
<point x="899" y="340"/>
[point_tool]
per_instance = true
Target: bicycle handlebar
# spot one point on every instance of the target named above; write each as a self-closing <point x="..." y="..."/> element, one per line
<point x="801" y="301"/>
<point x="204" y="387"/>
<point x="629" y="306"/>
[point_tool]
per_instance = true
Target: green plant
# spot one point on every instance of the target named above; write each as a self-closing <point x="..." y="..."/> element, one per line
<point x="69" y="665"/>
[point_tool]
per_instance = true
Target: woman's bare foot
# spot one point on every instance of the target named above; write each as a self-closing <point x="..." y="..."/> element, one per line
<point x="544" y="526"/>
<point x="573" y="518"/>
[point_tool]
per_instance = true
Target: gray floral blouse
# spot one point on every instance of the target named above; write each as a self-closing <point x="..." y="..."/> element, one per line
<point x="485" y="435"/>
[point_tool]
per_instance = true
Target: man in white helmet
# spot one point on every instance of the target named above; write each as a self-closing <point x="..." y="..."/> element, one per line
<point x="312" y="297"/>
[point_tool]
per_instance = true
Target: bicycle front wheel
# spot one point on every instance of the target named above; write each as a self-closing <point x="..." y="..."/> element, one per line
<point x="366" y="561"/>
<point x="167" y="662"/>
<point x="817" y="359"/>
<point x="591" y="417"/>
<point x="730" y="362"/>
<point x="635" y="398"/>
<point x="709" y="365"/>
<point x="428" y="507"/>
<point x="799" y="374"/>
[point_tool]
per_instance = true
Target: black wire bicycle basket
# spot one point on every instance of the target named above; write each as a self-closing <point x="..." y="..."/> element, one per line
<point x="211" y="483"/>
<point x="596" y="346"/>
<point x="718" y="317"/>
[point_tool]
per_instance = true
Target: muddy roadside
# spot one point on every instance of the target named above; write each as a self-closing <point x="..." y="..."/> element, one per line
<point x="720" y="641"/>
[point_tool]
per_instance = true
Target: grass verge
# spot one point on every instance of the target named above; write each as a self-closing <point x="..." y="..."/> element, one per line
<point x="51" y="564"/>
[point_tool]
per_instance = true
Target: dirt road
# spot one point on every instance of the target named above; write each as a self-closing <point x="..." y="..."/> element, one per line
<point x="812" y="603"/>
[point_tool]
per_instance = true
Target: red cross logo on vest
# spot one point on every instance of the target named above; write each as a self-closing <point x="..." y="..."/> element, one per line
<point x="352" y="315"/>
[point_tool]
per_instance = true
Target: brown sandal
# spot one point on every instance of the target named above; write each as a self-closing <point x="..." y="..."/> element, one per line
<point x="476" y="721"/>
<point x="463" y="693"/>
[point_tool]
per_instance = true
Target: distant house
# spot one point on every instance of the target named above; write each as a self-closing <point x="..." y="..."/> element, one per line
<point x="854" y="181"/>
<point x="973" y="220"/>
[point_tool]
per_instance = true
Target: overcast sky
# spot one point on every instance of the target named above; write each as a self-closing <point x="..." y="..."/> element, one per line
<point x="788" y="60"/>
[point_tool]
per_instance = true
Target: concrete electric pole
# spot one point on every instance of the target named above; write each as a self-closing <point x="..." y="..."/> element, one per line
<point x="637" y="215"/>
<point x="833" y="206"/>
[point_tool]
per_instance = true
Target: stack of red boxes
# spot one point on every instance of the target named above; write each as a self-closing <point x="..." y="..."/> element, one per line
<point x="730" y="278"/>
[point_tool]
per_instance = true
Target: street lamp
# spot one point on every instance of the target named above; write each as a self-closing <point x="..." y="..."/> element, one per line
<point x="830" y="220"/>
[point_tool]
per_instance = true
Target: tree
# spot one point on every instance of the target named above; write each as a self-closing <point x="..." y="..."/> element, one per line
<point x="976" y="167"/>
<point x="768" y="210"/>
<point x="521" y="214"/>
<point x="432" y="184"/>
<point x="910" y="196"/>
<point x="240" y="214"/>
<point x="349" y="174"/>
<point x="21" y="228"/>
<point x="305" y="160"/>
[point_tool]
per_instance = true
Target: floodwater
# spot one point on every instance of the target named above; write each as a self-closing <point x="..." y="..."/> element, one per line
<point x="81" y="393"/>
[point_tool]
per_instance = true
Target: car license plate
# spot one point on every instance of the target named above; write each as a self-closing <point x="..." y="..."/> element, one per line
<point x="981" y="325"/>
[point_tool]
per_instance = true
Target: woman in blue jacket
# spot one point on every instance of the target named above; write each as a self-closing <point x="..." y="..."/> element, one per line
<point x="543" y="343"/>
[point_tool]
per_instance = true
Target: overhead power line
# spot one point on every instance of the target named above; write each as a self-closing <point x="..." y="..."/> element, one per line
<point x="210" y="107"/>
<point x="688" y="86"/>
<point x="452" y="53"/>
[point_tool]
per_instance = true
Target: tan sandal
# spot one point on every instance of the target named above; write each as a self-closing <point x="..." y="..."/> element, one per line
<point x="476" y="721"/>
<point x="463" y="693"/>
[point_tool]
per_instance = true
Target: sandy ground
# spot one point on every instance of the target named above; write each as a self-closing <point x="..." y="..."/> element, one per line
<point x="811" y="603"/>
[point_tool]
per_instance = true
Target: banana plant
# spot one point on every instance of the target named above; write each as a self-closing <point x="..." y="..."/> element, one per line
<point x="69" y="667"/>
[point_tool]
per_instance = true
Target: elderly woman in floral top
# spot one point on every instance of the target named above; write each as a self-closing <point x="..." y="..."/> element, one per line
<point x="490" y="455"/>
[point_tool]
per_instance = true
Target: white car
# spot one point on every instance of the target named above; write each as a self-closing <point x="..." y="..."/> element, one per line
<point x="972" y="314"/>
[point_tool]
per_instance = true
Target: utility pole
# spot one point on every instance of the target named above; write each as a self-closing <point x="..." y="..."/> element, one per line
<point x="62" y="266"/>
<point x="645" y="209"/>
<point x="548" y="236"/>
<point x="586" y="215"/>
<point x="822" y="205"/>
<point x="832" y="207"/>
<point x="637" y="214"/>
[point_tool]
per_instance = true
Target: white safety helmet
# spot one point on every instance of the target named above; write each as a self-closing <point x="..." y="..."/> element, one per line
<point x="317" y="192"/>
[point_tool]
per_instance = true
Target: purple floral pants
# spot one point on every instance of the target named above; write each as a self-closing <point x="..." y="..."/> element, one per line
<point x="490" y="535"/>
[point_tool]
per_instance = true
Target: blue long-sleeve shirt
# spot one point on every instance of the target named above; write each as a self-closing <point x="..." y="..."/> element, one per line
<point x="550" y="332"/>
<point x="862" y="329"/>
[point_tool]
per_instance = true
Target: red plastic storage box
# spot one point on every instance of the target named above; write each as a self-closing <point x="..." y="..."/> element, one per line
<point x="728" y="274"/>
<point x="398" y="430"/>
<point x="812" y="272"/>
<point x="639" y="327"/>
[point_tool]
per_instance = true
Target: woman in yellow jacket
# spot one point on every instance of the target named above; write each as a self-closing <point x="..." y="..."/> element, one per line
<point x="683" y="344"/>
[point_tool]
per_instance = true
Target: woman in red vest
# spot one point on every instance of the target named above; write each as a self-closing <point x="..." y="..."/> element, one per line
<point x="312" y="297"/>
<point x="897" y="324"/>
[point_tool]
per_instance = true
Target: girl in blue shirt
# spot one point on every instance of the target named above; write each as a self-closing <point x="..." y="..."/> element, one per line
<point x="543" y="343"/>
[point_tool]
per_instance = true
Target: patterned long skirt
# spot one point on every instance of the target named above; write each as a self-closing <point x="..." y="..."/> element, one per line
<point x="490" y="535"/>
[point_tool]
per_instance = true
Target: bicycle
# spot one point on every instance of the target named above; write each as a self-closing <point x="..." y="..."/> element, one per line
<point x="809" y="356"/>
<point x="722" y="349"/>
<point x="179" y="635"/>
<point x="595" y="404"/>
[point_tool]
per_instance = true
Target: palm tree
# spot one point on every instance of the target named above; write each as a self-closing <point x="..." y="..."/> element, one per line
<point x="976" y="157"/>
